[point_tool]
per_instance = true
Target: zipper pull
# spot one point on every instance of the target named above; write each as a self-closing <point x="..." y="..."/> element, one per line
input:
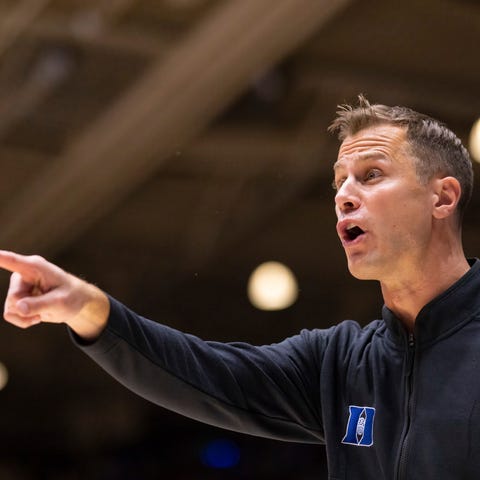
<point x="410" y="354"/>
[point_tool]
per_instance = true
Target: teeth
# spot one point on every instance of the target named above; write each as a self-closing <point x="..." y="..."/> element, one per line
<point x="350" y="226"/>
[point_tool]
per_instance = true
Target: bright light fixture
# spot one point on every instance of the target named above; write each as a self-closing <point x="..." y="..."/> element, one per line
<point x="272" y="286"/>
<point x="474" y="141"/>
<point x="3" y="376"/>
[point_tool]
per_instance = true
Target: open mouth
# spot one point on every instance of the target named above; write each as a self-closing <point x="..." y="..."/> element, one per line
<point x="349" y="231"/>
<point x="354" y="232"/>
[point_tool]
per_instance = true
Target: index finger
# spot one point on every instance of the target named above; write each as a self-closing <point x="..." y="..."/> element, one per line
<point x="14" y="262"/>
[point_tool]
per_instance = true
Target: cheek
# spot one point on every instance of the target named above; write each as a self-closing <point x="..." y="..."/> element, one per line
<point x="410" y="223"/>
<point x="402" y="218"/>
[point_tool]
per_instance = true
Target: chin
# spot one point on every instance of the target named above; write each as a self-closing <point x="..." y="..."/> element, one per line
<point x="362" y="271"/>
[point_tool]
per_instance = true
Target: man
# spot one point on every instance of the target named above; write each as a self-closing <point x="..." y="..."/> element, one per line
<point x="394" y="400"/>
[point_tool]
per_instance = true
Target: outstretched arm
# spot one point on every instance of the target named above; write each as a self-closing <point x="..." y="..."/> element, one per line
<point x="42" y="292"/>
<point x="269" y="391"/>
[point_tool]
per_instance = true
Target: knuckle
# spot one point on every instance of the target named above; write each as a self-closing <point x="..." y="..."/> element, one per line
<point x="36" y="259"/>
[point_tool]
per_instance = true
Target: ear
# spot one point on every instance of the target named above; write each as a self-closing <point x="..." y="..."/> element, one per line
<point x="447" y="191"/>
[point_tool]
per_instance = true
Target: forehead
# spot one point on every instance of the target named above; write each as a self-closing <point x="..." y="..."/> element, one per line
<point x="378" y="141"/>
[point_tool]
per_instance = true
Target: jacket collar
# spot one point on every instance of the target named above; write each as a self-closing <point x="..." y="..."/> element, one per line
<point x="445" y="313"/>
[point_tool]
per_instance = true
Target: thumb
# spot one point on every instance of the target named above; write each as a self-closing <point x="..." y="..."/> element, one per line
<point x="37" y="305"/>
<point x="23" y="307"/>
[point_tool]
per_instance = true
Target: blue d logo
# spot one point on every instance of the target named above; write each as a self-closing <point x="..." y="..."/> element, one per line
<point x="360" y="426"/>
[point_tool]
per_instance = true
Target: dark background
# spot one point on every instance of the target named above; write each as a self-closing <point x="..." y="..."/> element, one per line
<point x="162" y="150"/>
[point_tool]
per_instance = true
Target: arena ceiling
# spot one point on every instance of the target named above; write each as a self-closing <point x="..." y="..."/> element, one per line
<point x="163" y="148"/>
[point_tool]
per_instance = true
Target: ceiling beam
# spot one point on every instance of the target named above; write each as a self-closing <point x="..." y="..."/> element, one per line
<point x="221" y="152"/>
<point x="455" y="101"/>
<point x="17" y="19"/>
<point x="49" y="71"/>
<point x="176" y="98"/>
<point x="61" y="28"/>
<point x="236" y="152"/>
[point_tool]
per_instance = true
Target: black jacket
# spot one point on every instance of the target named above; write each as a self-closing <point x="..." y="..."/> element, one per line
<point x="388" y="405"/>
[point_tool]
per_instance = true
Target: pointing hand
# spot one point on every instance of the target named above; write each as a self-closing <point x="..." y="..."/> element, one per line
<point x="42" y="292"/>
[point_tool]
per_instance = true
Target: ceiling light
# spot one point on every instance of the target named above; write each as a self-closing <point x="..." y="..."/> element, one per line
<point x="3" y="376"/>
<point x="474" y="141"/>
<point x="272" y="286"/>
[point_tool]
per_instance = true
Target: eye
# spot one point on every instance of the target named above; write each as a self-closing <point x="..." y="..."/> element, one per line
<point x="337" y="183"/>
<point x="372" y="174"/>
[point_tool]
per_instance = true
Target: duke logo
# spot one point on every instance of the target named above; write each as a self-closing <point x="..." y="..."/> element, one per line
<point x="360" y="426"/>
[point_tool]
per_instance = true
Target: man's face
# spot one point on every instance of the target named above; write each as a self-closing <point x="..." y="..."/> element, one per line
<point x="384" y="212"/>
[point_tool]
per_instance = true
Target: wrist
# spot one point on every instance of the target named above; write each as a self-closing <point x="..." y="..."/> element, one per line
<point x="92" y="317"/>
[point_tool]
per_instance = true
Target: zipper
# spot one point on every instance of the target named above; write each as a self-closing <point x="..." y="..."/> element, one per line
<point x="402" y="463"/>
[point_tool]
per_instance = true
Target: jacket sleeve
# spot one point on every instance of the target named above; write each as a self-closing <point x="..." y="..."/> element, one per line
<point x="270" y="391"/>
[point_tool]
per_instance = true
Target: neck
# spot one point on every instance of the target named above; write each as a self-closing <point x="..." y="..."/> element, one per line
<point x="406" y="295"/>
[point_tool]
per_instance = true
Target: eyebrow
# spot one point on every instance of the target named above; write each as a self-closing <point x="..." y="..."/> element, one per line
<point x="362" y="157"/>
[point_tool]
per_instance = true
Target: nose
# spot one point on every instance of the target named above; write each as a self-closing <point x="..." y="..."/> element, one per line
<point x="347" y="198"/>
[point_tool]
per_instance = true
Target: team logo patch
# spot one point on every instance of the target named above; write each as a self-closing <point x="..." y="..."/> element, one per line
<point x="360" y="426"/>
